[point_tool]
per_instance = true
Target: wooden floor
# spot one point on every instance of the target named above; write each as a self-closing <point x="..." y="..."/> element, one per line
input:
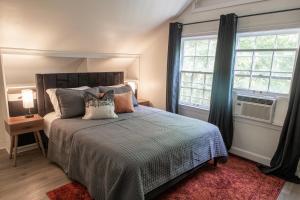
<point x="34" y="176"/>
<point x="31" y="179"/>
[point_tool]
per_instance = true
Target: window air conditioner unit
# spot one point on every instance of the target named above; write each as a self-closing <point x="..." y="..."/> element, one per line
<point x="257" y="108"/>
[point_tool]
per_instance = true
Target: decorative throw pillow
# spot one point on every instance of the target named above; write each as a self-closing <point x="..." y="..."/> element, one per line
<point x="99" y="106"/>
<point x="119" y="89"/>
<point x="123" y="103"/>
<point x="71" y="102"/>
<point x="54" y="100"/>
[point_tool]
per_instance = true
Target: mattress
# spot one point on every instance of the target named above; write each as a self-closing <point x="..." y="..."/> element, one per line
<point x="48" y="119"/>
<point x="128" y="157"/>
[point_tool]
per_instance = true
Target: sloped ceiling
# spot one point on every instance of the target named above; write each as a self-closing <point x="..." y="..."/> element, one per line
<point x="109" y="26"/>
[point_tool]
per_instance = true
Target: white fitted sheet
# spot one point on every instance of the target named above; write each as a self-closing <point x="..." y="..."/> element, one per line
<point x="48" y="119"/>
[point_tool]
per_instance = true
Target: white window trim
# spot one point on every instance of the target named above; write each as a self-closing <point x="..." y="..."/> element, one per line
<point x="262" y="33"/>
<point x="248" y="33"/>
<point x="215" y="36"/>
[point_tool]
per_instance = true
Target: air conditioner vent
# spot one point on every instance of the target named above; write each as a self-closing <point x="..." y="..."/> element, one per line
<point x="258" y="108"/>
<point x="255" y="100"/>
<point x="256" y="111"/>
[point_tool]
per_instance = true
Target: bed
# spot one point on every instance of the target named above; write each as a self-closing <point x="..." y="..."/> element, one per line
<point x="136" y="156"/>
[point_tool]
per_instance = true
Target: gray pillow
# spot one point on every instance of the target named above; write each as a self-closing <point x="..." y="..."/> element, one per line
<point x="119" y="90"/>
<point x="71" y="102"/>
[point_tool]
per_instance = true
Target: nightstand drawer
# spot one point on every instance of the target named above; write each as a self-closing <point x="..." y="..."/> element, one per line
<point x="25" y="127"/>
<point x="20" y="125"/>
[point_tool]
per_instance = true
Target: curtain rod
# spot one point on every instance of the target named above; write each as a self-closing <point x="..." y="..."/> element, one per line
<point x="243" y="16"/>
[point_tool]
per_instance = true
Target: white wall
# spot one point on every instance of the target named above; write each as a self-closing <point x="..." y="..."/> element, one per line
<point x="129" y="66"/>
<point x="154" y="68"/>
<point x="4" y="140"/>
<point x="21" y="69"/>
<point x="109" y="26"/>
<point x="253" y="140"/>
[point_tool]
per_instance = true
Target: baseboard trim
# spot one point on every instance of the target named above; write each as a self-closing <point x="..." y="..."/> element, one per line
<point x="251" y="156"/>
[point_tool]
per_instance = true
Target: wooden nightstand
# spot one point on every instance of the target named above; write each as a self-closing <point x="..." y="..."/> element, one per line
<point x="144" y="102"/>
<point x="16" y="126"/>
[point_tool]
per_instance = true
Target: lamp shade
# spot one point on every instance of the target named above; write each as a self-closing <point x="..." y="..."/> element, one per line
<point x="27" y="97"/>
<point x="132" y="84"/>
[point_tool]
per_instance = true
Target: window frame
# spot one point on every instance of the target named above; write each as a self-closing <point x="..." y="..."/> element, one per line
<point x="263" y="33"/>
<point x="183" y="39"/>
<point x="248" y="33"/>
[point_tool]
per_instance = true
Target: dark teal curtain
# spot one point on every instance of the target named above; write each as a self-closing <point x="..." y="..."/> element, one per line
<point x="173" y="70"/>
<point x="221" y="97"/>
<point x="285" y="160"/>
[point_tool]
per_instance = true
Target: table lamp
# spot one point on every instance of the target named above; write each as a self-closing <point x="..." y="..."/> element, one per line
<point x="133" y="85"/>
<point x="27" y="98"/>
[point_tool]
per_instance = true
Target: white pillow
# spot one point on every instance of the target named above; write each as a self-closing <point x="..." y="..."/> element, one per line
<point x="54" y="100"/>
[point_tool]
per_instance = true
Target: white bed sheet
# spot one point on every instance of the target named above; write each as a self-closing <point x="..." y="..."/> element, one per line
<point x="48" y="119"/>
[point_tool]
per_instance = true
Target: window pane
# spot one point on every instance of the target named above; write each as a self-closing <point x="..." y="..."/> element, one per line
<point x="241" y="82"/>
<point x="287" y="41"/>
<point x="278" y="85"/>
<point x="243" y="61"/>
<point x="284" y="61"/>
<point x="207" y="94"/>
<point x="265" y="42"/>
<point x="189" y="48"/>
<point x="185" y="99"/>
<point x="201" y="64"/>
<point x="188" y="63"/>
<point x="206" y="102"/>
<point x="208" y="81"/>
<point x="259" y="84"/>
<point x="198" y="80"/>
<point x="202" y="47"/>
<point x="267" y="70"/>
<point x="212" y="48"/>
<point x="196" y="101"/>
<point x="196" y="93"/>
<point x="262" y="61"/>
<point x="210" y="64"/>
<point x="186" y="91"/>
<point x="186" y="79"/>
<point x="246" y="43"/>
<point x="199" y="58"/>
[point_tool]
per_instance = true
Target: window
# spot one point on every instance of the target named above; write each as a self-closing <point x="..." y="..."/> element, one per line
<point x="265" y="61"/>
<point x="197" y="65"/>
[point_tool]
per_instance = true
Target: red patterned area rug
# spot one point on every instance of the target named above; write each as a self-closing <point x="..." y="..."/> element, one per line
<point x="238" y="179"/>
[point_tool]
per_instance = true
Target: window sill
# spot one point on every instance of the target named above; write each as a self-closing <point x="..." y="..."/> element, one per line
<point x="191" y="107"/>
<point x="237" y="119"/>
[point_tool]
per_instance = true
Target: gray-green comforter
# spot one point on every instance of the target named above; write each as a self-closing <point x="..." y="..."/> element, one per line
<point x="127" y="157"/>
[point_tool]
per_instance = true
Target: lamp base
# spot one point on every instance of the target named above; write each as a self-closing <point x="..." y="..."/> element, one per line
<point x="29" y="116"/>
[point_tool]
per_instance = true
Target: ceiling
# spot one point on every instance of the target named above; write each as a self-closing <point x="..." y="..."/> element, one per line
<point x="110" y="26"/>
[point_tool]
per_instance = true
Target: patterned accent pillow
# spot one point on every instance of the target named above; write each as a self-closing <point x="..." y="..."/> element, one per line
<point x="99" y="106"/>
<point x="119" y="89"/>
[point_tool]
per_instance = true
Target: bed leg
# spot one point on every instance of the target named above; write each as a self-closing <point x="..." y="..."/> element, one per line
<point x="215" y="162"/>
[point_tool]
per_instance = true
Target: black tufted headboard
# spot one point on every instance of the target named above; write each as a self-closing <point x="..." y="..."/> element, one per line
<point x="71" y="80"/>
